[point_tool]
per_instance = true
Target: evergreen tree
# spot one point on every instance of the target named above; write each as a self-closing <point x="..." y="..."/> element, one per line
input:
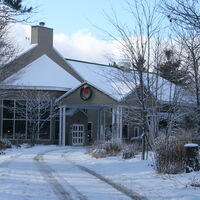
<point x="16" y="5"/>
<point x="171" y="70"/>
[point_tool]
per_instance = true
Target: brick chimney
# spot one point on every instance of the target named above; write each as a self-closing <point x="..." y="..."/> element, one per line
<point x="42" y="35"/>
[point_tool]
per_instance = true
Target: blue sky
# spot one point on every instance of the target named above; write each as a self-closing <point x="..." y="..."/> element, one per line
<point x="69" y="16"/>
<point x="76" y="26"/>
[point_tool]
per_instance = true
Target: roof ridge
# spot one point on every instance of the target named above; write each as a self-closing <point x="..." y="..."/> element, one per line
<point x="87" y="62"/>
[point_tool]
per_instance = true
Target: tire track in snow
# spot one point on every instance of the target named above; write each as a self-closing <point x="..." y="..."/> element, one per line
<point x="8" y="159"/>
<point x="119" y="187"/>
<point x="51" y="176"/>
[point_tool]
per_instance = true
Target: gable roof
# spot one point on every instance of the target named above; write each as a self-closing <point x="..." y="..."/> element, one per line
<point x="97" y="76"/>
<point x="42" y="73"/>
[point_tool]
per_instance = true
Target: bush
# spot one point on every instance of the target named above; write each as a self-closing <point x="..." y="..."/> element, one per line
<point x="99" y="153"/>
<point x="169" y="155"/>
<point x="108" y="148"/>
<point x="5" y="143"/>
<point x="129" y="151"/>
<point x="113" y="147"/>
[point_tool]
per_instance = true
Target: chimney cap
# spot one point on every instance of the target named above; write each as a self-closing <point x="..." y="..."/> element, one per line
<point x="42" y="23"/>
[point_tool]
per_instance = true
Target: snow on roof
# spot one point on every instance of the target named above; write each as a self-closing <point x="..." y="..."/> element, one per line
<point x="42" y="73"/>
<point x="191" y="145"/>
<point x="97" y="75"/>
<point x="19" y="54"/>
<point x="118" y="84"/>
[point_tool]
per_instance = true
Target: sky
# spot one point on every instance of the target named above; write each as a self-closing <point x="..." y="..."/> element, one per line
<point x="77" y="27"/>
<point x="69" y="16"/>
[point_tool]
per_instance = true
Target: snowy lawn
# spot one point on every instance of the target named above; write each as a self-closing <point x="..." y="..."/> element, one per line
<point x="20" y="178"/>
<point x="140" y="176"/>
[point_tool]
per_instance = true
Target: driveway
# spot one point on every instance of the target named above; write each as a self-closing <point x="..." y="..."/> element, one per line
<point x="45" y="172"/>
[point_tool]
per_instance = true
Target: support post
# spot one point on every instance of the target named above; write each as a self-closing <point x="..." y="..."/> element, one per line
<point x="120" y="123"/>
<point x="113" y="122"/>
<point x="60" y="125"/>
<point x="64" y="127"/>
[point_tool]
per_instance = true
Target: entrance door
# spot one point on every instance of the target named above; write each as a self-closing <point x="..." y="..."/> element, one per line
<point x="77" y="134"/>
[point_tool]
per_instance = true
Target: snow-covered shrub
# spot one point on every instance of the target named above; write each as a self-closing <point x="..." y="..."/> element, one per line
<point x="169" y="154"/>
<point x="99" y="153"/>
<point x="5" y="143"/>
<point x="107" y="148"/>
<point x="112" y="147"/>
<point x="129" y="151"/>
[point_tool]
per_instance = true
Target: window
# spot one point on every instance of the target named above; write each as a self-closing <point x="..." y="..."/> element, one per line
<point x="20" y="109"/>
<point x="45" y="130"/>
<point x="125" y="131"/>
<point x="45" y="110"/>
<point x="8" y="129"/>
<point x="90" y="126"/>
<point x="20" y="129"/>
<point x="8" y="115"/>
<point x="8" y="109"/>
<point x="32" y="128"/>
<point x="21" y="119"/>
<point x="57" y="130"/>
<point x="136" y="131"/>
<point x="57" y="125"/>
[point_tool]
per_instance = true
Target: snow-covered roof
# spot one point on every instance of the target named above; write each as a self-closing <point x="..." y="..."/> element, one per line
<point x="118" y="84"/>
<point x="5" y="60"/>
<point x="42" y="73"/>
<point x="97" y="76"/>
<point x="166" y="91"/>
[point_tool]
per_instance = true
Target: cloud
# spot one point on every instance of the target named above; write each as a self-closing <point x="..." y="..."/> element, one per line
<point x="81" y="45"/>
<point x="21" y="35"/>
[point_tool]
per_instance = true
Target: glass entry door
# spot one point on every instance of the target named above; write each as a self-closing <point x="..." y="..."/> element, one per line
<point x="77" y="134"/>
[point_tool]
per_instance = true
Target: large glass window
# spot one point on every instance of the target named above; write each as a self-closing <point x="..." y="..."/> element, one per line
<point x="57" y="130"/>
<point x="45" y="130"/>
<point x="22" y="119"/>
<point x="8" y="129"/>
<point x="20" y="129"/>
<point x="32" y="129"/>
<point x="20" y="109"/>
<point x="45" y="110"/>
<point x="8" y="109"/>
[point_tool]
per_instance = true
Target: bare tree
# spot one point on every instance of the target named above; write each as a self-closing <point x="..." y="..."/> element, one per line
<point x="182" y="13"/>
<point x="190" y="42"/>
<point x="152" y="95"/>
<point x="185" y="24"/>
<point x="38" y="108"/>
<point x="136" y="44"/>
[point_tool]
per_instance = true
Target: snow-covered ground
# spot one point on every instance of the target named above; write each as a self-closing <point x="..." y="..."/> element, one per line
<point x="49" y="172"/>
